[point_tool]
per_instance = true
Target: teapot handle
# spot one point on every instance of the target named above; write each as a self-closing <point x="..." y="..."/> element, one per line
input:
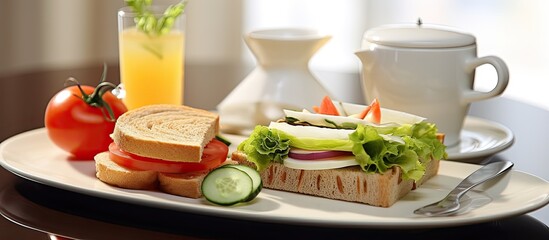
<point x="503" y="78"/>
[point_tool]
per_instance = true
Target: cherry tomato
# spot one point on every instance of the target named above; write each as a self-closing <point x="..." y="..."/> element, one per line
<point x="81" y="125"/>
<point x="213" y="155"/>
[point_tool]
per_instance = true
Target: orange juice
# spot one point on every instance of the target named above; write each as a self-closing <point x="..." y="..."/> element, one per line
<point x="151" y="67"/>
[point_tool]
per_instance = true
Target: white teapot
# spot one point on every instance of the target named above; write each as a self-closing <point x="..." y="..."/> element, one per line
<point x="426" y="70"/>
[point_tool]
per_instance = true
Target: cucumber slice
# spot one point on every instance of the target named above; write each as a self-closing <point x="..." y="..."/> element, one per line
<point x="223" y="139"/>
<point x="256" y="179"/>
<point x="227" y="186"/>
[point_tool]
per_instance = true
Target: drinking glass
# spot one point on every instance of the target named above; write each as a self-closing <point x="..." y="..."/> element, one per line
<point x="151" y="65"/>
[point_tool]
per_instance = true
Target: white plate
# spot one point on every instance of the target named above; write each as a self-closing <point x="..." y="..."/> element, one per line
<point x="33" y="156"/>
<point x="480" y="138"/>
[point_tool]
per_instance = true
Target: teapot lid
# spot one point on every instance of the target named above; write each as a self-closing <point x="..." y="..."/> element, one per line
<point x="418" y="36"/>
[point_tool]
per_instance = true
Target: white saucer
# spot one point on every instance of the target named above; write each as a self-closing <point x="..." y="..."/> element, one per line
<point x="480" y="138"/>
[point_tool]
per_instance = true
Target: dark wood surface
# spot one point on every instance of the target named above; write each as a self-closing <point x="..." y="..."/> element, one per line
<point x="35" y="211"/>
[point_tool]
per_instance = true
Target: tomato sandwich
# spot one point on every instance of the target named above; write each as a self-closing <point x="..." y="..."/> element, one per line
<point x="345" y="151"/>
<point x="166" y="147"/>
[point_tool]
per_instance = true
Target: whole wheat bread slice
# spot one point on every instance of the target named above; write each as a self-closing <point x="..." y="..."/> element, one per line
<point x="348" y="184"/>
<point x="168" y="132"/>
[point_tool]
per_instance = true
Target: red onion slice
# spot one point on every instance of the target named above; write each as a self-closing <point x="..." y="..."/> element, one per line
<point x="316" y="155"/>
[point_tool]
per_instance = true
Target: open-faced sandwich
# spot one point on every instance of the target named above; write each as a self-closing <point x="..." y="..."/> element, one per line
<point x="166" y="147"/>
<point x="344" y="151"/>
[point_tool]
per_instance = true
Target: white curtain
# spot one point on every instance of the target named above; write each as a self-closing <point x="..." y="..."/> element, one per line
<point x="67" y="33"/>
<point x="56" y="33"/>
<point x="72" y="33"/>
<point x="516" y="31"/>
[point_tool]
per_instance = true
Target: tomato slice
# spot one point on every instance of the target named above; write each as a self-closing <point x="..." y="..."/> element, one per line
<point x="326" y="107"/>
<point x="213" y="155"/>
<point x="364" y="112"/>
<point x="374" y="114"/>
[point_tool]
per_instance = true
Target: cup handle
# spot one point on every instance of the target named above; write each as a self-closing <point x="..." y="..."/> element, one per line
<point x="503" y="78"/>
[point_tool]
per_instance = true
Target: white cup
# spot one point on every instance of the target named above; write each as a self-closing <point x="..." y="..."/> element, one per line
<point x="427" y="71"/>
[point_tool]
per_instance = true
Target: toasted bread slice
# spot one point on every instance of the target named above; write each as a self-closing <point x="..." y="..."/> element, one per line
<point x="182" y="184"/>
<point x="114" y="174"/>
<point x="348" y="184"/>
<point x="186" y="185"/>
<point x="168" y="132"/>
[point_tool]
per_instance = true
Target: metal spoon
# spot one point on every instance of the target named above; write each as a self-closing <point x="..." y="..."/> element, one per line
<point x="450" y="203"/>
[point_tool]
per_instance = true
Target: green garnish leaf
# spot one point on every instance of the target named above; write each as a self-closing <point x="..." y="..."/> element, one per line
<point x="330" y="123"/>
<point x="155" y="51"/>
<point x="344" y="125"/>
<point x="148" y="23"/>
<point x="291" y="120"/>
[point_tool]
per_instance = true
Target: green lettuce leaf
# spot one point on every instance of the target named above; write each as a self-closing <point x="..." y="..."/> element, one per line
<point x="320" y="144"/>
<point x="422" y="139"/>
<point x="374" y="153"/>
<point x="265" y="145"/>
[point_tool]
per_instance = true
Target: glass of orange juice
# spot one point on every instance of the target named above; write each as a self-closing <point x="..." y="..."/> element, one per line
<point x="151" y="56"/>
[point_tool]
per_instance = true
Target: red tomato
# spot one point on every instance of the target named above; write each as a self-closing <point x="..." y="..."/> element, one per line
<point x="76" y="126"/>
<point x="213" y="155"/>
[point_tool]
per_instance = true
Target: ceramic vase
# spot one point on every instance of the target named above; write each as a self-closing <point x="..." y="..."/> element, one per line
<point x="281" y="80"/>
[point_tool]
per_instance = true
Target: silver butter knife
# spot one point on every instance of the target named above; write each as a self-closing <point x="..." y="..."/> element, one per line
<point x="450" y="204"/>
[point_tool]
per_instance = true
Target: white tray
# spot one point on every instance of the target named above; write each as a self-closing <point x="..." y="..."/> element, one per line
<point x="31" y="155"/>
